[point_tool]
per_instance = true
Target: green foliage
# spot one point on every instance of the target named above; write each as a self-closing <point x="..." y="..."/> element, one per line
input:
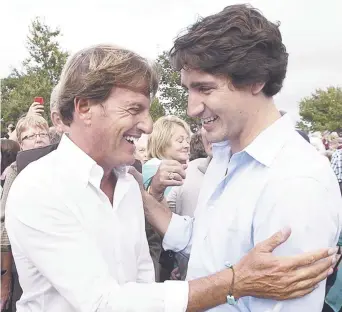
<point x="322" y="110"/>
<point x="172" y="95"/>
<point x="40" y="72"/>
<point x="156" y="110"/>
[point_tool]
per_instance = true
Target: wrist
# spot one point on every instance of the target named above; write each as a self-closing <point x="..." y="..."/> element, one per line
<point x="158" y="195"/>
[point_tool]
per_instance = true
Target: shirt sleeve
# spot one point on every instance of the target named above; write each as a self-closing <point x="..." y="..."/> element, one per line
<point x="53" y="240"/>
<point x="178" y="236"/>
<point x="313" y="213"/>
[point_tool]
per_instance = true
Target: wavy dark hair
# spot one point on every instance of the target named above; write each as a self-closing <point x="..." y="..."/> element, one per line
<point x="238" y="43"/>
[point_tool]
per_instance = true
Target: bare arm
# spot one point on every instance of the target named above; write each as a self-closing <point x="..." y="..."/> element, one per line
<point x="157" y="213"/>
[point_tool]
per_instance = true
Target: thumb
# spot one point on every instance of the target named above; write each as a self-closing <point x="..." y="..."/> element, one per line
<point x="274" y="241"/>
<point x="136" y="174"/>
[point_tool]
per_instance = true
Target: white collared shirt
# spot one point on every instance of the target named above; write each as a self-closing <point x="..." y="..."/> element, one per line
<point x="73" y="250"/>
<point x="278" y="180"/>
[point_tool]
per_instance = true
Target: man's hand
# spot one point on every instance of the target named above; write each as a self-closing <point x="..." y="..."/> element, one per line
<point x="261" y="274"/>
<point x="36" y="109"/>
<point x="169" y="173"/>
<point x="175" y="274"/>
<point x="6" y="280"/>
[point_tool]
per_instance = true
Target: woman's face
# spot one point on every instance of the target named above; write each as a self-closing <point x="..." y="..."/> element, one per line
<point x="34" y="137"/>
<point x="179" y="145"/>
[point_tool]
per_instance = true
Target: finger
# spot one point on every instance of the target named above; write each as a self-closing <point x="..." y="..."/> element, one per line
<point x="166" y="183"/>
<point x="274" y="241"/>
<point x="311" y="283"/>
<point x="309" y="258"/>
<point x="179" y="170"/>
<point x="174" y="176"/>
<point x="299" y="293"/>
<point x="312" y="271"/>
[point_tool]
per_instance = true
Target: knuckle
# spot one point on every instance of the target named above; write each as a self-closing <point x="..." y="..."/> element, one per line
<point x="311" y="260"/>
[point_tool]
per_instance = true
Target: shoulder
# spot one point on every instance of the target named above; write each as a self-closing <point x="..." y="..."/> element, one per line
<point x="300" y="160"/>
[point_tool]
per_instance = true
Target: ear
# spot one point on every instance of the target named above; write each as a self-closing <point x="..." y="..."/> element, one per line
<point x="57" y="122"/>
<point x="82" y="110"/>
<point x="256" y="88"/>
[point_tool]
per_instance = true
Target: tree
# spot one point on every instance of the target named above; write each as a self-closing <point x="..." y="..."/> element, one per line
<point x="156" y="110"/>
<point x="172" y="96"/>
<point x="40" y="72"/>
<point x="322" y="110"/>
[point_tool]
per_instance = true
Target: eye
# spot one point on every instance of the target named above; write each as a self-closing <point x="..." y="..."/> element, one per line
<point x="205" y="90"/>
<point x="134" y="110"/>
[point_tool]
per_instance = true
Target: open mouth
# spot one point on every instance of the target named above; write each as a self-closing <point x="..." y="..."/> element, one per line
<point x="209" y="120"/>
<point x="130" y="139"/>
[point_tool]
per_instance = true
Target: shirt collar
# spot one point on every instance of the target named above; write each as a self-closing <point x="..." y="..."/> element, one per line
<point x="270" y="141"/>
<point x="84" y="167"/>
<point x="265" y="147"/>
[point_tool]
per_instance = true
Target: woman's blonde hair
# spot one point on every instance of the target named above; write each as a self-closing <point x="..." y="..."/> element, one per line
<point x="161" y="135"/>
<point x="30" y="121"/>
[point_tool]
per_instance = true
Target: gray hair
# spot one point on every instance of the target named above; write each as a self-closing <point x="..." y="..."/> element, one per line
<point x="54" y="98"/>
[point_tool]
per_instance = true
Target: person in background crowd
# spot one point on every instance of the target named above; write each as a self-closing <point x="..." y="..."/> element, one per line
<point x="318" y="144"/>
<point x="263" y="175"/>
<point x="54" y="135"/>
<point x="10" y="129"/>
<point x="80" y="247"/>
<point x="197" y="149"/>
<point x="336" y="164"/>
<point x="168" y="142"/>
<point x="141" y="149"/>
<point x="183" y="199"/>
<point x="9" y="150"/>
<point x="32" y="132"/>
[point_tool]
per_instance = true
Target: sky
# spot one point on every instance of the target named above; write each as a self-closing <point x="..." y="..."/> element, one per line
<point x="311" y="30"/>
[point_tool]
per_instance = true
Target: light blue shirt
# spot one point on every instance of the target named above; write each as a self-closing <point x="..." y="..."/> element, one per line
<point x="278" y="180"/>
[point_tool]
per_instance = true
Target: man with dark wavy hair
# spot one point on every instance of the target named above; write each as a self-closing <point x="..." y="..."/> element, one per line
<point x="263" y="175"/>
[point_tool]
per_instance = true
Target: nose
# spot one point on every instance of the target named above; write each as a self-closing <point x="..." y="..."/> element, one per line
<point x="146" y="124"/>
<point x="186" y="144"/>
<point x="195" y="105"/>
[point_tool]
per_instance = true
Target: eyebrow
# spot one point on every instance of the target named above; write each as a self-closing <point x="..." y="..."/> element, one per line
<point x="197" y="84"/>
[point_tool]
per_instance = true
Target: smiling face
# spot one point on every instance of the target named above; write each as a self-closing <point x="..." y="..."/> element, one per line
<point x="222" y="109"/>
<point x="179" y="145"/>
<point x="113" y="126"/>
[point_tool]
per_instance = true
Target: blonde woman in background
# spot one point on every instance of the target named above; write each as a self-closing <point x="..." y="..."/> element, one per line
<point x="168" y="148"/>
<point x="169" y="140"/>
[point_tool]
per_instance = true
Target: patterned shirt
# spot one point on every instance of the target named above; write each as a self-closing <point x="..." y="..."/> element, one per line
<point x="336" y="163"/>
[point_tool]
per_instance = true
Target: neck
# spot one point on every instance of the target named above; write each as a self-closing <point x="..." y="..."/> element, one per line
<point x="258" y="120"/>
<point x="91" y="150"/>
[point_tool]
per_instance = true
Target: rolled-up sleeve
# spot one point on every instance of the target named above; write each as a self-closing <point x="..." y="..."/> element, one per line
<point x="313" y="212"/>
<point x="178" y="236"/>
<point x="53" y="240"/>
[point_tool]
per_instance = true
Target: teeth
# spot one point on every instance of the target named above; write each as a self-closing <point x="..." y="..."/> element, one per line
<point x="209" y="119"/>
<point x="131" y="139"/>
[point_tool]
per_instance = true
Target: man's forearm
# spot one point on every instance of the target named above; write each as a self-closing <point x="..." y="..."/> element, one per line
<point x="209" y="292"/>
<point x="157" y="213"/>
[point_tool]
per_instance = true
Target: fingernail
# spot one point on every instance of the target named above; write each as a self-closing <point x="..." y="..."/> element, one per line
<point x="286" y="230"/>
<point x="332" y="251"/>
<point x="334" y="260"/>
<point x="331" y="271"/>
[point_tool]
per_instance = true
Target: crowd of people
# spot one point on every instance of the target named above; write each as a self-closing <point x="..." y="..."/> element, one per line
<point x="106" y="211"/>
